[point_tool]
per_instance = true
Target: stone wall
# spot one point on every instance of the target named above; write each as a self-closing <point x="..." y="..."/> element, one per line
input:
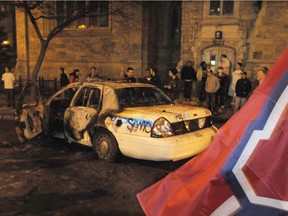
<point x="198" y="30"/>
<point x="269" y="36"/>
<point x="253" y="37"/>
<point x="257" y="37"/>
<point x="110" y="49"/>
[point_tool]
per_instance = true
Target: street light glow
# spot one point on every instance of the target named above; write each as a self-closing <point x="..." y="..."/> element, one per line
<point x="5" y="42"/>
<point x="82" y="26"/>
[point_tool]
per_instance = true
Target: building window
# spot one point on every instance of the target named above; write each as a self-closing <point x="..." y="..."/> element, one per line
<point x="213" y="60"/>
<point x="221" y="7"/>
<point x="175" y="21"/>
<point x="98" y="15"/>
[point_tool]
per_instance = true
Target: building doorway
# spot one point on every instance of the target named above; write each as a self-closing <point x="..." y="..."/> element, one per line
<point x="213" y="54"/>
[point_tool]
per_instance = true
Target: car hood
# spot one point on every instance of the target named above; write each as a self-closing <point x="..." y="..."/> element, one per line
<point x="172" y="112"/>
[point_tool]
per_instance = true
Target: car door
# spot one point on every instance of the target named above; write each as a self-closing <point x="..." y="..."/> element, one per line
<point x="55" y="108"/>
<point x="29" y="113"/>
<point x="82" y="113"/>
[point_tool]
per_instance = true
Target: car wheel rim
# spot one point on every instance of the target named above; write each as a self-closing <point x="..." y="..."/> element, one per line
<point x="103" y="147"/>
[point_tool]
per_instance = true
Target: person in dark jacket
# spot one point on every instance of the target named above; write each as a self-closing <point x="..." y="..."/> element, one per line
<point x="173" y="86"/>
<point x="201" y="77"/>
<point x="63" y="78"/>
<point x="221" y="93"/>
<point x="188" y="75"/>
<point x="129" y="76"/>
<point x="155" y="78"/>
<point x="148" y="77"/>
<point x="92" y="74"/>
<point x="243" y="88"/>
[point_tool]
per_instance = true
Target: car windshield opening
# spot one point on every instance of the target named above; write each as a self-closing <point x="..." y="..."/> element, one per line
<point x="141" y="96"/>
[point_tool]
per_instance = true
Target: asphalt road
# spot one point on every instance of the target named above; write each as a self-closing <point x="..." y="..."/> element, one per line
<point x="47" y="176"/>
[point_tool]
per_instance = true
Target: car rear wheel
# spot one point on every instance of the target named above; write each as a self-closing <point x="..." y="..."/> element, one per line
<point x="106" y="147"/>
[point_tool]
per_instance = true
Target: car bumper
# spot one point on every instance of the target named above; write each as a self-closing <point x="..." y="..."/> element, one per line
<point x="168" y="148"/>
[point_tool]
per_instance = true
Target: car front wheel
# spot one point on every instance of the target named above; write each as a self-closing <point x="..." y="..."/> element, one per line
<point x="106" y="147"/>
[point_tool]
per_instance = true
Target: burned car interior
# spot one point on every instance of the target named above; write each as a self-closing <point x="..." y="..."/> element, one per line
<point x="57" y="108"/>
<point x="139" y="96"/>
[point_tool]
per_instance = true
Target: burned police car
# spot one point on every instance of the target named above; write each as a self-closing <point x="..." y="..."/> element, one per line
<point x="136" y="119"/>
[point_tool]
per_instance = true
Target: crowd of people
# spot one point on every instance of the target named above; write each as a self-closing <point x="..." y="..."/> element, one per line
<point x="212" y="87"/>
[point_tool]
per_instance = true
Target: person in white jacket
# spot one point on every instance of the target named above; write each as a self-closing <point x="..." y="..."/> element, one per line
<point x="236" y="75"/>
<point x="9" y="82"/>
<point x="226" y="64"/>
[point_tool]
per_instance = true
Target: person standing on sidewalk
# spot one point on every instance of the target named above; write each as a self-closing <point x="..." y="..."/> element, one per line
<point x="235" y="76"/>
<point x="201" y="77"/>
<point x="243" y="89"/>
<point x="221" y="93"/>
<point x="211" y="87"/>
<point x="9" y="81"/>
<point x="188" y="75"/>
<point x="173" y="85"/>
<point x="64" y="81"/>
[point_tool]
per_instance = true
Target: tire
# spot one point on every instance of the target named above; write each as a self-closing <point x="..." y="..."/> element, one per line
<point x="106" y="147"/>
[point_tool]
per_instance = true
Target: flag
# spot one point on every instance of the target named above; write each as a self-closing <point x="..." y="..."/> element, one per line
<point x="245" y="169"/>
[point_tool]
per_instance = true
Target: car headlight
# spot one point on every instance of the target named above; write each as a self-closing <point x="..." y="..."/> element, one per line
<point x="162" y="128"/>
<point x="201" y="122"/>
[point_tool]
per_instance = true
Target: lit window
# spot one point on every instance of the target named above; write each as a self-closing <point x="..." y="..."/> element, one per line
<point x="97" y="13"/>
<point x="214" y="8"/>
<point x="213" y="60"/>
<point x="221" y="7"/>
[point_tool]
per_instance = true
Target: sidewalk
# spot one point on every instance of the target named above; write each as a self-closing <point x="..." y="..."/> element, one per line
<point x="7" y="113"/>
<point x="222" y="114"/>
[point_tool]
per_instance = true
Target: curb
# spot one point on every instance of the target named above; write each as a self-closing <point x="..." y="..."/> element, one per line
<point x="6" y="113"/>
<point x="7" y="117"/>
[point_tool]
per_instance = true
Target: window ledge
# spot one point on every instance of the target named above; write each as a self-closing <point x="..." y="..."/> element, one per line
<point x="220" y="20"/>
<point x="87" y="32"/>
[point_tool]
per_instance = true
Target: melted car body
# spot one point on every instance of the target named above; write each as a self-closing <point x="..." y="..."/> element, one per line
<point x="136" y="119"/>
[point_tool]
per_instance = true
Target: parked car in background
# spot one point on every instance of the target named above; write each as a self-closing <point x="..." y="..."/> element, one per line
<point x="138" y="120"/>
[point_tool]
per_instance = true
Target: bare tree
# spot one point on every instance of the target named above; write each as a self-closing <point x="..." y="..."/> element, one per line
<point x="47" y="10"/>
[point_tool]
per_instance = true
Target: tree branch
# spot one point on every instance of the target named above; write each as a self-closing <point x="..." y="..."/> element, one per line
<point x="33" y="21"/>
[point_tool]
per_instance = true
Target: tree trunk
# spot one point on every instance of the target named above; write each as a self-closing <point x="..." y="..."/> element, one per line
<point x="44" y="46"/>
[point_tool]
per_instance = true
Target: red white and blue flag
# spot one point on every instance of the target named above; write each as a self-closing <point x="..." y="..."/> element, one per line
<point x="245" y="169"/>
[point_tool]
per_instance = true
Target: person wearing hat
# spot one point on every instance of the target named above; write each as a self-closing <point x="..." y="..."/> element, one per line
<point x="243" y="88"/>
<point x="173" y="86"/>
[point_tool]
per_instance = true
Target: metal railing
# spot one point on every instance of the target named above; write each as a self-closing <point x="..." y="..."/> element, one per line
<point x="46" y="86"/>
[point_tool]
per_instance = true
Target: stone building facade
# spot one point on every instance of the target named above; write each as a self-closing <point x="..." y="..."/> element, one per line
<point x="110" y="49"/>
<point x="254" y="34"/>
<point x="163" y="35"/>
